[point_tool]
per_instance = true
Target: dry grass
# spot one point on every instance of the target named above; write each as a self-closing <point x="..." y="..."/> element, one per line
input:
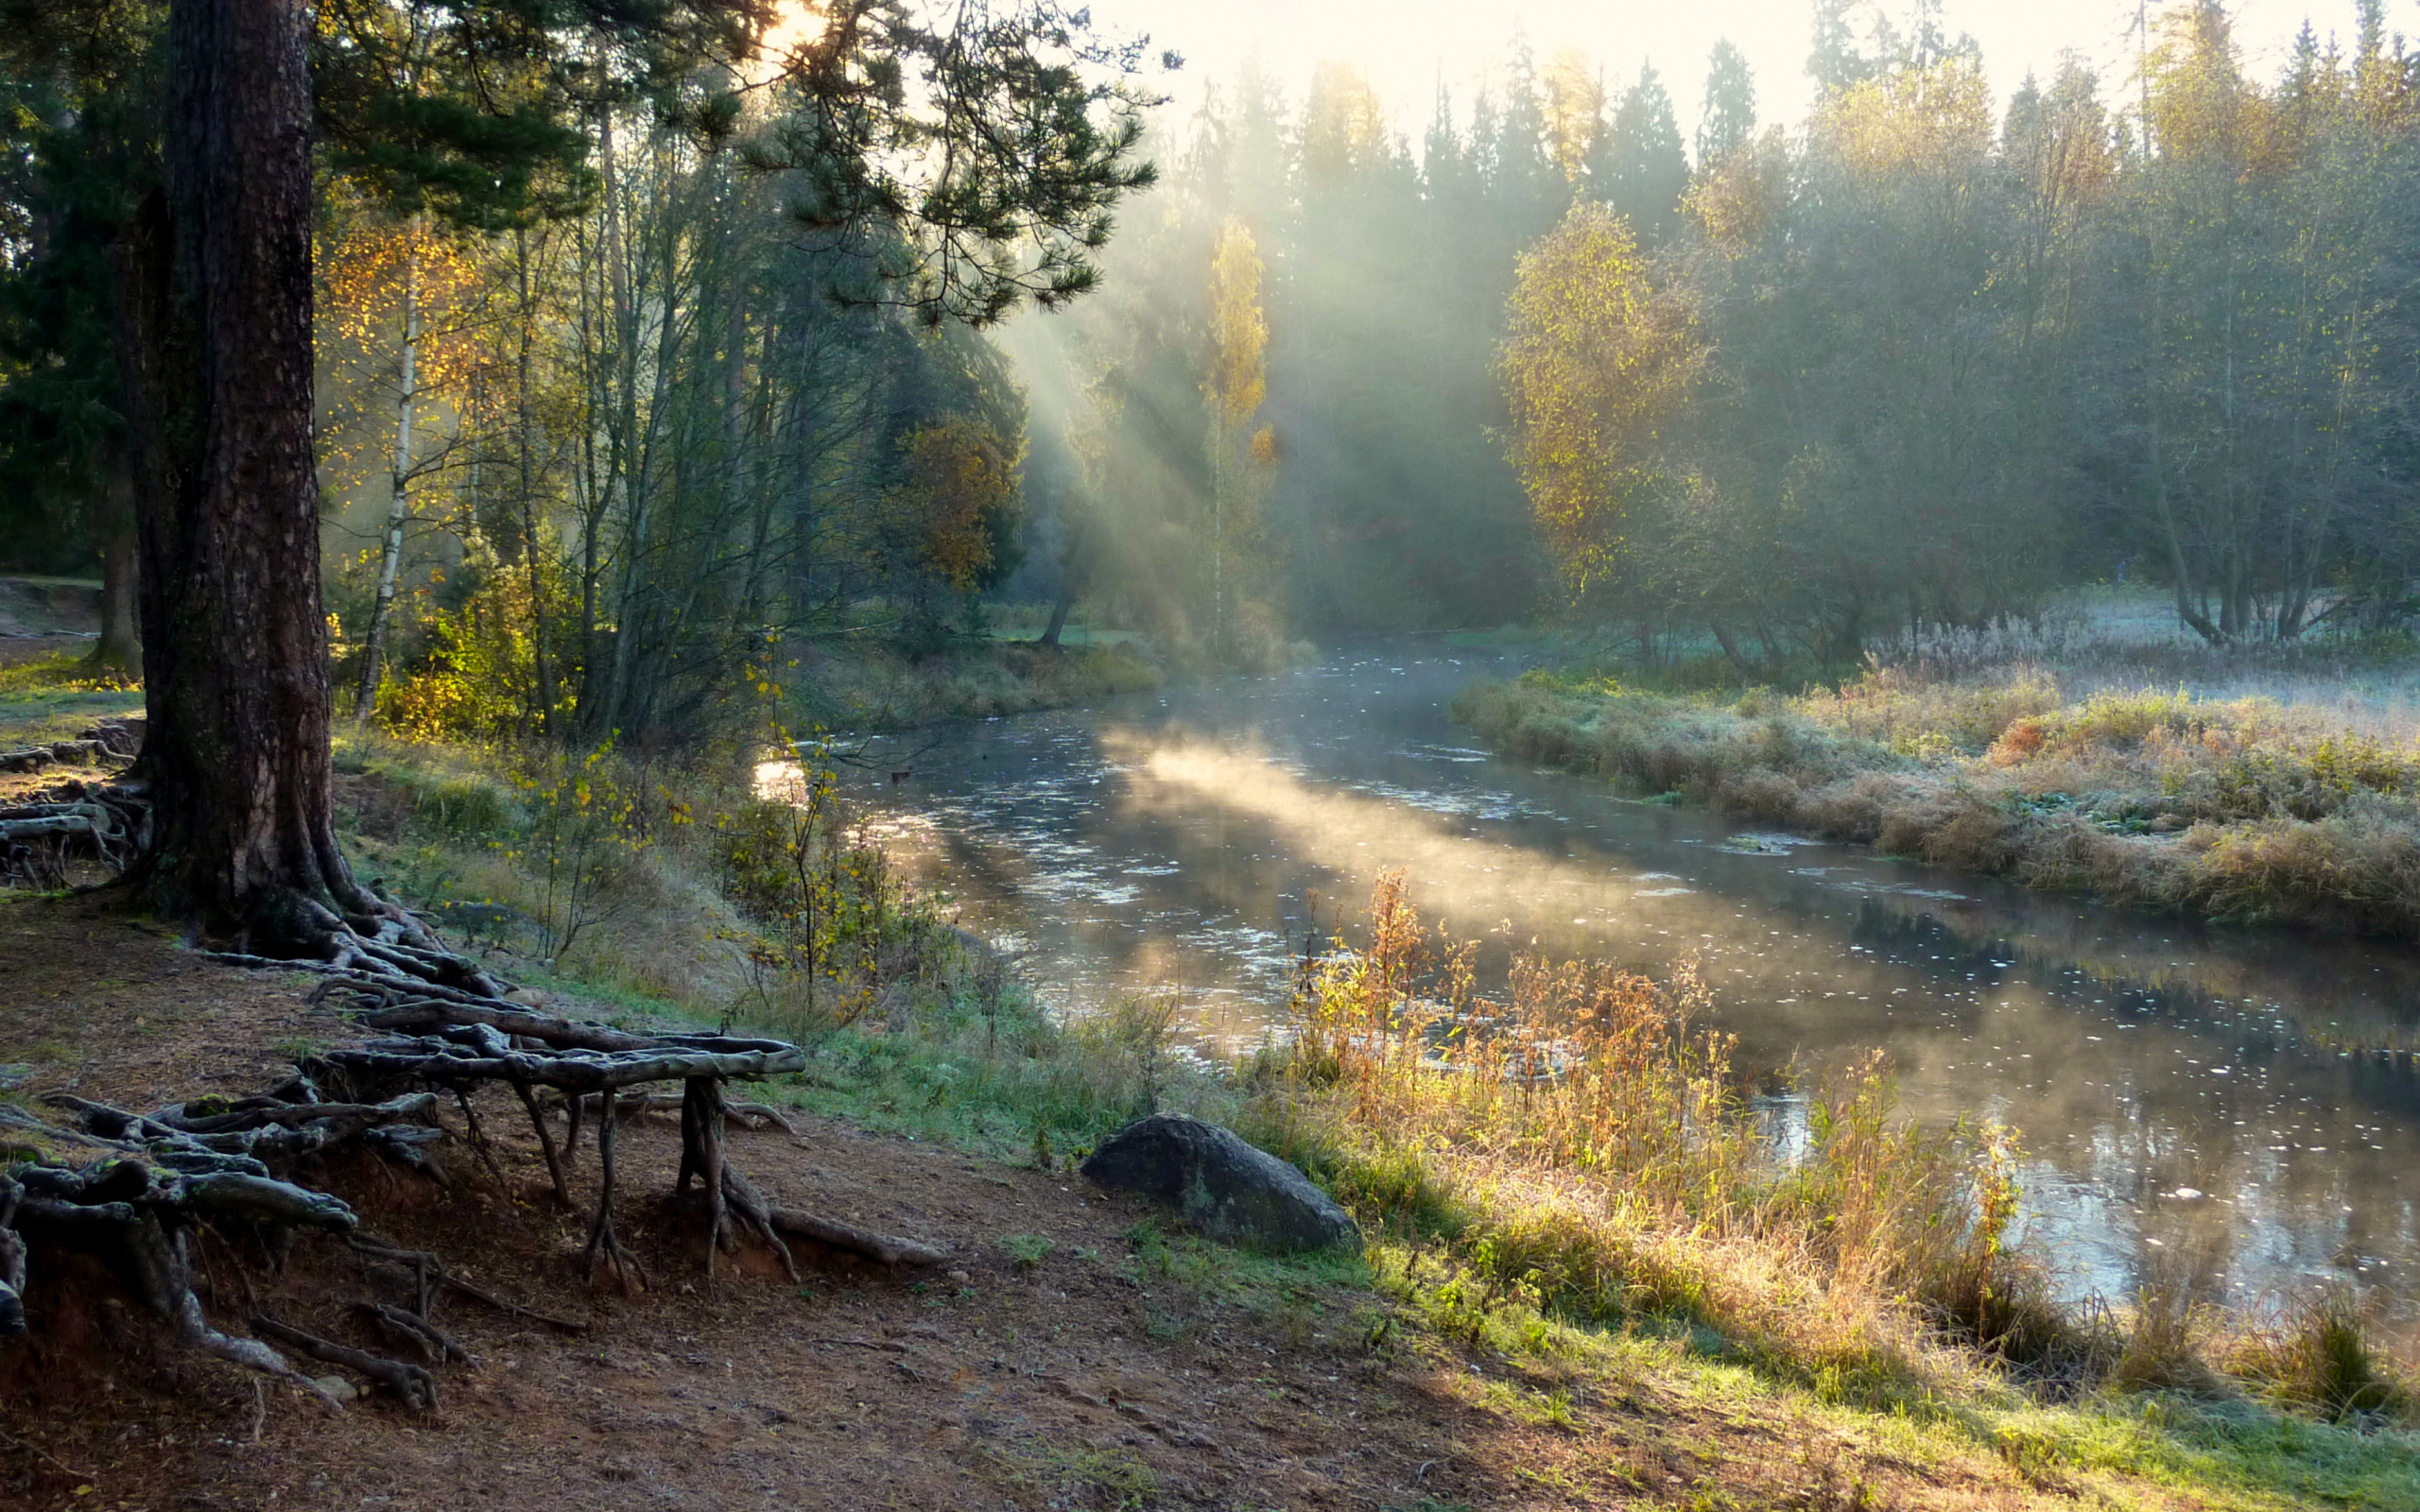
<point x="1586" y="1145"/>
<point x="1584" y="1149"/>
<point x="2241" y="807"/>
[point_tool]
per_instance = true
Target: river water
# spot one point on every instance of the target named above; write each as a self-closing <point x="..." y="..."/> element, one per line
<point x="2245" y="1104"/>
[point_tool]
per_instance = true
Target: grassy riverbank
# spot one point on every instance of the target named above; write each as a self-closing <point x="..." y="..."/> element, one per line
<point x="1598" y="1291"/>
<point x="874" y="685"/>
<point x="1568" y="1225"/>
<point x="2284" y="788"/>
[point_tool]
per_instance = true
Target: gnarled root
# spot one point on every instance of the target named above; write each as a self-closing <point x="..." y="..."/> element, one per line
<point x="603" y="1242"/>
<point x="142" y="1237"/>
<point x="409" y="1383"/>
<point x="435" y="1344"/>
<point x="431" y="1276"/>
<point x="888" y="1248"/>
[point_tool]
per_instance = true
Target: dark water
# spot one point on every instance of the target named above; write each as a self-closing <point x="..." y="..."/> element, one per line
<point x="2241" y="1102"/>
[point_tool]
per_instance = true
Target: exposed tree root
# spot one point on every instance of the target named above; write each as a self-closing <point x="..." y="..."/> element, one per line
<point x="409" y="1383"/>
<point x="744" y="1115"/>
<point x="434" y="1344"/>
<point x="108" y="823"/>
<point x="462" y="1042"/>
<point x="137" y="1205"/>
<point x="430" y="1275"/>
<point x="133" y="1188"/>
<point x="888" y="1248"/>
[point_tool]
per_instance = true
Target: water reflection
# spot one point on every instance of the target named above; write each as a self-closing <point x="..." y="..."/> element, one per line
<point x="2245" y="1102"/>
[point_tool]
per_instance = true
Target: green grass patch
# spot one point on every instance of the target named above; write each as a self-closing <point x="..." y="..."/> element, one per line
<point x="38" y="714"/>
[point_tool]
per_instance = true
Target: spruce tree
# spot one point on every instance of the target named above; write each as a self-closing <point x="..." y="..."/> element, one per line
<point x="1729" y="120"/>
<point x="1640" y="168"/>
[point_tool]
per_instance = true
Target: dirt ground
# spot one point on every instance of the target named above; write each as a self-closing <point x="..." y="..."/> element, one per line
<point x="1080" y="1380"/>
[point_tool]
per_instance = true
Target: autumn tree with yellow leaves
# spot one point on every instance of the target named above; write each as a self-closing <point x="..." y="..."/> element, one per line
<point x="1243" y="451"/>
<point x="1598" y="368"/>
<point x="402" y="307"/>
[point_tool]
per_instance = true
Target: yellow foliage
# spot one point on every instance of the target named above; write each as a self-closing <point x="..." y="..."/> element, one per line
<point x="1744" y="197"/>
<point x="366" y="269"/>
<point x="959" y="473"/>
<point x="474" y="677"/>
<point x="1597" y="363"/>
<point x="1575" y="106"/>
<point x="1238" y="331"/>
<point x="1913" y="122"/>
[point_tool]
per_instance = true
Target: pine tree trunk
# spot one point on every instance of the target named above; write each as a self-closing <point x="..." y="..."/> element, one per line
<point x="217" y="269"/>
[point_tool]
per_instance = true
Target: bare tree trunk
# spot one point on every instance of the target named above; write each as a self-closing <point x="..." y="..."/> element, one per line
<point x="218" y="276"/>
<point x="120" y="648"/>
<point x="525" y="439"/>
<point x="1059" y="608"/>
<point x="399" y="492"/>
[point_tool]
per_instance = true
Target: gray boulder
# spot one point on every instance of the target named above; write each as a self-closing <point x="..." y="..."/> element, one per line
<point x="1224" y="1187"/>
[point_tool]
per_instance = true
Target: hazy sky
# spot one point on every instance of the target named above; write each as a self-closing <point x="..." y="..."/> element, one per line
<point x="1403" y="46"/>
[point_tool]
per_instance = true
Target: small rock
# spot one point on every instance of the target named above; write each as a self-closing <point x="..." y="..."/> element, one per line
<point x="338" y="1387"/>
<point x="960" y="1277"/>
<point x="1222" y="1185"/>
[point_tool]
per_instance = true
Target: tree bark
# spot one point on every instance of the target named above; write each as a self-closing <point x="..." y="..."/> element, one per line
<point x="217" y="275"/>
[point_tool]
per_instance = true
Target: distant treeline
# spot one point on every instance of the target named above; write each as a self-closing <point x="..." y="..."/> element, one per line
<point x="1914" y="366"/>
<point x="1907" y="364"/>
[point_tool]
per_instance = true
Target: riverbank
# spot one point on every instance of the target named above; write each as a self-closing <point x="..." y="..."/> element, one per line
<point x="872" y="684"/>
<point x="2249" y="808"/>
<point x="1521" y="1332"/>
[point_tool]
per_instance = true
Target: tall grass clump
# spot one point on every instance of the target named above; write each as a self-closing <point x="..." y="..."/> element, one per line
<point x="1586" y="1141"/>
<point x="2319" y="1355"/>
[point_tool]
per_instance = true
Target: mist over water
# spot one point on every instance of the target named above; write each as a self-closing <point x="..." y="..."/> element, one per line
<point x="2245" y="1104"/>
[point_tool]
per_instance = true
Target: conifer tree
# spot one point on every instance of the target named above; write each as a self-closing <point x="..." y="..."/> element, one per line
<point x="1640" y="168"/>
<point x="1729" y="120"/>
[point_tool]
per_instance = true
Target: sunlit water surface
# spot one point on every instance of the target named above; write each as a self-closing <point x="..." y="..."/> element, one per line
<point x="2243" y="1102"/>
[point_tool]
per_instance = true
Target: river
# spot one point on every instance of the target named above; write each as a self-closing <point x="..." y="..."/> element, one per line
<point x="2241" y="1102"/>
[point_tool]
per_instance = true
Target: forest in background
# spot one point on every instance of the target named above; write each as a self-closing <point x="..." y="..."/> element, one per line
<point x="1914" y="362"/>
